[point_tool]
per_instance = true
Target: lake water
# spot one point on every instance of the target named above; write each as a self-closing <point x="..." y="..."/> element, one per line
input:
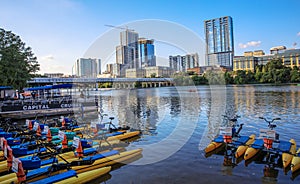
<point x="177" y="123"/>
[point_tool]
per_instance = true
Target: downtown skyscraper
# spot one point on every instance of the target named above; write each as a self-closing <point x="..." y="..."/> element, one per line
<point x="146" y="53"/>
<point x="219" y="41"/>
<point x="127" y="52"/>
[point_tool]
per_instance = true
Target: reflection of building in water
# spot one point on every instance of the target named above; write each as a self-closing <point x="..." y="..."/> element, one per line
<point x="244" y="97"/>
<point x="136" y="111"/>
<point x="265" y="99"/>
<point x="150" y="113"/>
<point x="294" y="99"/>
<point x="175" y="105"/>
<point x="216" y="106"/>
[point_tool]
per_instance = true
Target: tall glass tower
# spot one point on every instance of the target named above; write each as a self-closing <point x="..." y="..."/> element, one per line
<point x="219" y="41"/>
<point x="129" y="48"/>
<point x="146" y="53"/>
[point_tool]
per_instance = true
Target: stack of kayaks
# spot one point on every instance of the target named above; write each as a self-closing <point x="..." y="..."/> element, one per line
<point x="50" y="161"/>
<point x="78" y="166"/>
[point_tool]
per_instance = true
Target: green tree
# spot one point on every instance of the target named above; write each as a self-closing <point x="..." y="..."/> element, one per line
<point x="258" y="74"/>
<point x="295" y="74"/>
<point x="215" y="77"/>
<point x="228" y="78"/>
<point x="240" y="77"/>
<point x="198" y="80"/>
<point x="17" y="61"/>
<point x="152" y="75"/>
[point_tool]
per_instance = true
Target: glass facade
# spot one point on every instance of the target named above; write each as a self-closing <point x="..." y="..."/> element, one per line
<point x="127" y="53"/>
<point x="146" y="53"/>
<point x="219" y="41"/>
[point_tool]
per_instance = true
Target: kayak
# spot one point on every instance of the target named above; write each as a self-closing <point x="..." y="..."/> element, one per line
<point x="216" y="143"/>
<point x="295" y="165"/>
<point x="124" y="136"/>
<point x="254" y="149"/>
<point x="288" y="156"/>
<point x="244" y="146"/>
<point x="100" y="160"/>
<point x="86" y="176"/>
<point x="72" y="176"/>
<point x="67" y="156"/>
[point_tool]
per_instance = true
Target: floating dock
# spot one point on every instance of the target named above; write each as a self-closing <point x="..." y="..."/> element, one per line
<point x="45" y="112"/>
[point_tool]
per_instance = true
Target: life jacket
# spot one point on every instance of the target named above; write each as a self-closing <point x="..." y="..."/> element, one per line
<point x="38" y="131"/>
<point x="49" y="136"/>
<point x="21" y="174"/>
<point x="30" y="125"/>
<point x="9" y="156"/>
<point x="64" y="142"/>
<point x="79" y="150"/>
<point x="3" y="142"/>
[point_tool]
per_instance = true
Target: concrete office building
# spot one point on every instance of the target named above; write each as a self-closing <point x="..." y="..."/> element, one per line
<point x="248" y="62"/>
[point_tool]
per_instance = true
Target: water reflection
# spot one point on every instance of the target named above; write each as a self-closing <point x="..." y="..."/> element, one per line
<point x="179" y="114"/>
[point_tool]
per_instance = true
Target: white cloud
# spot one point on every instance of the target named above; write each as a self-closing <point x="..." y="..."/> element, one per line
<point x="250" y="44"/>
<point x="298" y="34"/>
<point x="49" y="57"/>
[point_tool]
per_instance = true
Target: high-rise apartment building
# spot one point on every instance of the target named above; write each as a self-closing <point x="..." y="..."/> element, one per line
<point x="87" y="67"/>
<point x="127" y="52"/>
<point x="146" y="53"/>
<point x="182" y="63"/>
<point x="219" y="41"/>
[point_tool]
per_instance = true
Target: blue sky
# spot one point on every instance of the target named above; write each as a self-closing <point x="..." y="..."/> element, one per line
<point x="60" y="31"/>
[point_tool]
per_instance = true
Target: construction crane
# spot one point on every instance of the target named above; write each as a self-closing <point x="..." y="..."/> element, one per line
<point x="118" y="27"/>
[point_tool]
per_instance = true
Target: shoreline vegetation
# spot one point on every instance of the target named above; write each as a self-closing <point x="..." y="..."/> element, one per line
<point x="273" y="73"/>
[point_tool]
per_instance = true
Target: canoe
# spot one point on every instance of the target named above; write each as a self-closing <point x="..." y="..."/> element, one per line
<point x="243" y="147"/>
<point x="295" y="164"/>
<point x="254" y="149"/>
<point x="288" y="156"/>
<point x="216" y="143"/>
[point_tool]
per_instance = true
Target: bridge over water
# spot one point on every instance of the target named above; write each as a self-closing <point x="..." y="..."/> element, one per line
<point x="116" y="82"/>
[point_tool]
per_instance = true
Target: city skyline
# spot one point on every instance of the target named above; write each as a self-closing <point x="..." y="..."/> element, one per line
<point x="59" y="32"/>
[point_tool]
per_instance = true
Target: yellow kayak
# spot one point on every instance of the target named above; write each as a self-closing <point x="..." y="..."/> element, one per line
<point x="254" y="149"/>
<point x="242" y="148"/>
<point x="213" y="146"/>
<point x="86" y="177"/>
<point x="1" y="156"/>
<point x="68" y="155"/>
<point x="295" y="165"/>
<point x="124" y="136"/>
<point x="287" y="157"/>
<point x="216" y="143"/>
<point x="107" y="161"/>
